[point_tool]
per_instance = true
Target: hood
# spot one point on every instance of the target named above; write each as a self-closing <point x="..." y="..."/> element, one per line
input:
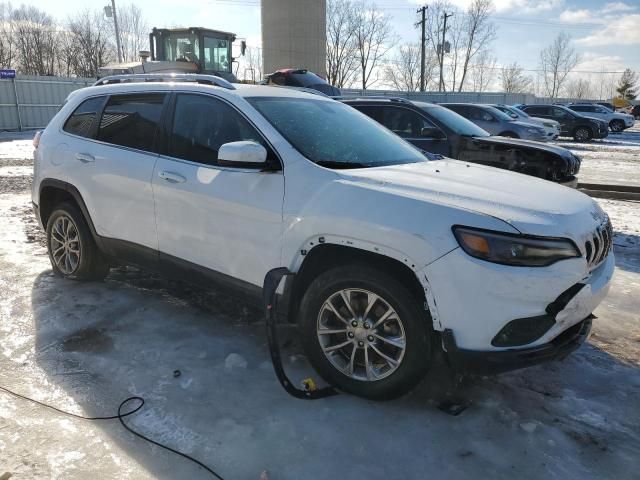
<point x="531" y="205"/>
<point x="594" y="119"/>
<point x="529" y="144"/>
<point x="546" y="121"/>
<point x="525" y="124"/>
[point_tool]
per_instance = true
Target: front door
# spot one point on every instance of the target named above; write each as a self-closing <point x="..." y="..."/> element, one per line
<point x="224" y="219"/>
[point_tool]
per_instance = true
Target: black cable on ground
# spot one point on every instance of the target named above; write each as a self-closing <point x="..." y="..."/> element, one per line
<point x="120" y="416"/>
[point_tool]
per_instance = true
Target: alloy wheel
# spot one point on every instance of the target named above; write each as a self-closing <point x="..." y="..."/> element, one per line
<point x="361" y="334"/>
<point x="65" y="245"/>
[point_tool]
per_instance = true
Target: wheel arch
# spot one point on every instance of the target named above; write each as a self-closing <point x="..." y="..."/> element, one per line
<point x="52" y="192"/>
<point x="326" y="255"/>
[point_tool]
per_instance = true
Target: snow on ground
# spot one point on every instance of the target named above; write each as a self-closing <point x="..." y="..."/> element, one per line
<point x="613" y="160"/>
<point x="86" y="346"/>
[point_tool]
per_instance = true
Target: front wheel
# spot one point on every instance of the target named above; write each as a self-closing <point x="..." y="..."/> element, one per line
<point x="616" y="125"/>
<point x="582" y="134"/>
<point x="364" y="332"/>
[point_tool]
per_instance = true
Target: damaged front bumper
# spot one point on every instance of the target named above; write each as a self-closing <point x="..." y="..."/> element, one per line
<point x="489" y="362"/>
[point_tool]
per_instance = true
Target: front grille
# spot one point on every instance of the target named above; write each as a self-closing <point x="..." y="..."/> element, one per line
<point x="599" y="245"/>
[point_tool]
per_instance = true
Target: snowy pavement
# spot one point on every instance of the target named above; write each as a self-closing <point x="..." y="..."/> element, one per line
<point x="86" y="346"/>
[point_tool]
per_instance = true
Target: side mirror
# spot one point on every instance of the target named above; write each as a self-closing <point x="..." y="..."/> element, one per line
<point x="242" y="154"/>
<point x="431" y="132"/>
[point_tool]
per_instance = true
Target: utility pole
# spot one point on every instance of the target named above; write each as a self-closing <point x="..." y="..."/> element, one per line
<point x="444" y="31"/>
<point x="115" y="23"/>
<point x="422" y="22"/>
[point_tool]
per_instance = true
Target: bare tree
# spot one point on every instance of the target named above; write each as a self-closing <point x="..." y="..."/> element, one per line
<point x="514" y="79"/>
<point x="34" y="33"/>
<point x="91" y="37"/>
<point x="134" y="31"/>
<point x="6" y="36"/>
<point x="253" y="64"/>
<point x="556" y="61"/>
<point x="483" y="71"/>
<point x="578" y="88"/>
<point x="342" y="61"/>
<point x="477" y="33"/>
<point x="373" y="36"/>
<point x="403" y="71"/>
<point x="68" y="54"/>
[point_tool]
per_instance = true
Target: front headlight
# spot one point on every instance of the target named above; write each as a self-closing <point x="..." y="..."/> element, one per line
<point x="513" y="249"/>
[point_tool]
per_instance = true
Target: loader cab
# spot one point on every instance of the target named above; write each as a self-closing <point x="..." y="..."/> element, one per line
<point x="209" y="50"/>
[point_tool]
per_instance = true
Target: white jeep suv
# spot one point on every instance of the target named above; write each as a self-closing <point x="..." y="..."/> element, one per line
<point x="390" y="255"/>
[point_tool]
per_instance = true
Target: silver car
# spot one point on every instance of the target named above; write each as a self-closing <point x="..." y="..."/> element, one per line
<point x="498" y="123"/>
<point x="551" y="127"/>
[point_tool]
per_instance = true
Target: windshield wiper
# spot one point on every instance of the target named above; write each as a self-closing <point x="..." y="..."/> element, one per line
<point x="341" y="165"/>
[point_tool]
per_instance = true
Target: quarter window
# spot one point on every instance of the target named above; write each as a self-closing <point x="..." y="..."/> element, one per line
<point x="131" y="120"/>
<point x="202" y="124"/>
<point x="83" y="119"/>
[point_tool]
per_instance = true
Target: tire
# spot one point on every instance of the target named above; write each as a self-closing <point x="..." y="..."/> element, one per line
<point x="582" y="134"/>
<point x="409" y="328"/>
<point x="80" y="259"/>
<point x="509" y="135"/>
<point x="616" y="125"/>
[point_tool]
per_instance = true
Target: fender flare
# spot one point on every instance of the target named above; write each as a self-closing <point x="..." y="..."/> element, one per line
<point x="370" y="247"/>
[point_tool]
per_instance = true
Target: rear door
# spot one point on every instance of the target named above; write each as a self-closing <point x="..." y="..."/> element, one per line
<point x="116" y="168"/>
<point x="225" y="219"/>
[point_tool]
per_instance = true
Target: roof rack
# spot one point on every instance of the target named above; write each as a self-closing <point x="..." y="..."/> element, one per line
<point x="166" y="77"/>
<point x="373" y="97"/>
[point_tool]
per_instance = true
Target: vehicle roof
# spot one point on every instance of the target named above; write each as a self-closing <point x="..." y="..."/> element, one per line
<point x="241" y="90"/>
<point x="393" y="100"/>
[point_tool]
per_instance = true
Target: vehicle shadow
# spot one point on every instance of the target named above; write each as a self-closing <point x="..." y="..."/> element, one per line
<point x="201" y="362"/>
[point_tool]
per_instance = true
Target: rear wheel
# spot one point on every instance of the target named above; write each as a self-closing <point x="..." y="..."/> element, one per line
<point x="364" y="332"/>
<point x="616" y="125"/>
<point x="72" y="250"/>
<point x="582" y="134"/>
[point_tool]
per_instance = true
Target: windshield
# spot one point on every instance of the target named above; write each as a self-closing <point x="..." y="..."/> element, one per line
<point x="500" y="114"/>
<point x="513" y="112"/>
<point x="455" y="122"/>
<point x="334" y="135"/>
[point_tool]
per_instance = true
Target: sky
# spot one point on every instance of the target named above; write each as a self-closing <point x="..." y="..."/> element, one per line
<point x="605" y="33"/>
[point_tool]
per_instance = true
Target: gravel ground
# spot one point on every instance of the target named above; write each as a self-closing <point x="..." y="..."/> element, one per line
<point x="86" y="346"/>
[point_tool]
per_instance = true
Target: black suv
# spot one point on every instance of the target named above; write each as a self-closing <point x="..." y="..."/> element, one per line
<point x="437" y="129"/>
<point x="572" y="124"/>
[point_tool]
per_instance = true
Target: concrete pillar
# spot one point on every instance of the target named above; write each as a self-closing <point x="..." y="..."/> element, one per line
<point x="294" y="35"/>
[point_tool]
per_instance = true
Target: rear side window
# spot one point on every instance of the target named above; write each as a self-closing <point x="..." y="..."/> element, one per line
<point x="578" y="108"/>
<point x="131" y="120"/>
<point x="537" y="110"/>
<point x="202" y="124"/>
<point x="83" y="119"/>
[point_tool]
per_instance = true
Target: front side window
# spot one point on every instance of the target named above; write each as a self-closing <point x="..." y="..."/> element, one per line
<point x="131" y="120"/>
<point x="83" y="119"/>
<point x="333" y="134"/>
<point x="560" y="113"/>
<point x="404" y="122"/>
<point x="202" y="124"/>
<point x="481" y="115"/>
<point x="455" y="122"/>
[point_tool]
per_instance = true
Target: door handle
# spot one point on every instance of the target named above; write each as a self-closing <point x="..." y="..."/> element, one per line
<point x="172" y="177"/>
<point x="85" y="157"/>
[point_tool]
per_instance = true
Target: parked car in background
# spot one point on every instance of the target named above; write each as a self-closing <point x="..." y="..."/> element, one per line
<point x="608" y="105"/>
<point x="436" y="129"/>
<point x="391" y="259"/>
<point x="617" y="121"/>
<point x="635" y="111"/>
<point x="552" y="128"/>
<point x="289" y="77"/>
<point x="496" y="122"/>
<point x="572" y="124"/>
